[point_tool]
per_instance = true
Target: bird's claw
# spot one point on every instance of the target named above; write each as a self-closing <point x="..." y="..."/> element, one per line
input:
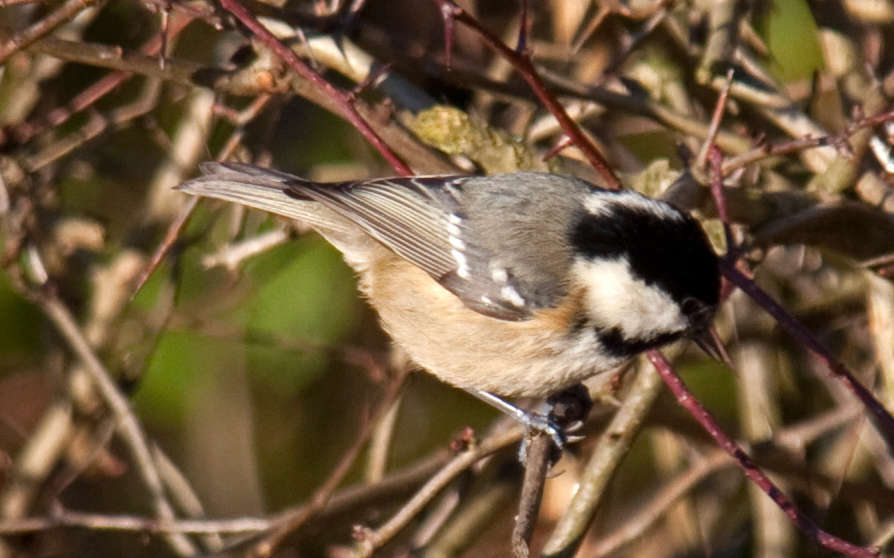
<point x="538" y="423"/>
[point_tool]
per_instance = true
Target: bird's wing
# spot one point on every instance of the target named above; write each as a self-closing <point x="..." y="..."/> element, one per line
<point x="422" y="220"/>
<point x="441" y="224"/>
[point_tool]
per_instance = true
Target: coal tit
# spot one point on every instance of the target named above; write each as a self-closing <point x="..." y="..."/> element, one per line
<point x="506" y="285"/>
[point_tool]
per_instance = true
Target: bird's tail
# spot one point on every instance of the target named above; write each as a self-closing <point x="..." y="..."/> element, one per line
<point x="264" y="189"/>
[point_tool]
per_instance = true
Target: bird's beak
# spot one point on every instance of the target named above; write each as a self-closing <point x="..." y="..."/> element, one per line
<point x="709" y="342"/>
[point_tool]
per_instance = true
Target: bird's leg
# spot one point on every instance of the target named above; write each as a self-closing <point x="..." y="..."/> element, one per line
<point x="555" y="425"/>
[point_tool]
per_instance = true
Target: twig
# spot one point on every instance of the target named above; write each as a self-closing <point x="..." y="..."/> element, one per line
<point x="176" y="226"/>
<point x="635" y="38"/>
<point x="37" y="30"/>
<point x="716" y="119"/>
<point x="370" y="540"/>
<point x="472" y="518"/>
<point x="794" y="438"/>
<point x="438" y="526"/>
<point x="347" y="109"/>
<point x="649" y="512"/>
<point x="881" y="417"/>
<point x="61" y="517"/>
<point x="525" y="67"/>
<point x="247" y="114"/>
<point x="765" y="151"/>
<point x="602" y="12"/>
<point x="539" y="449"/>
<point x="759" y="417"/>
<point x="380" y="444"/>
<point x="7" y="3"/>
<point x="128" y="424"/>
<point x="723" y="22"/>
<point x="89" y="96"/>
<point x="804" y="523"/>
<point x="716" y="159"/>
<point x="95" y="125"/>
<point x="291" y="521"/>
<point x="613" y="445"/>
<point x="231" y="256"/>
<point x="252" y="80"/>
<point x="184" y="495"/>
<point x="171" y="235"/>
<point x="36" y="459"/>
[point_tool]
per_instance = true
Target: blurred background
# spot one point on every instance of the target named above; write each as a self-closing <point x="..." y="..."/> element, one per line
<point x="255" y="373"/>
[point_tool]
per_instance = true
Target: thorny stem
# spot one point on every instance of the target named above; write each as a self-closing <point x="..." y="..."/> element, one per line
<point x="882" y="418"/>
<point x="715" y="157"/>
<point x="800" y="144"/>
<point x="805" y="524"/>
<point x="347" y="108"/>
<point x="522" y="62"/>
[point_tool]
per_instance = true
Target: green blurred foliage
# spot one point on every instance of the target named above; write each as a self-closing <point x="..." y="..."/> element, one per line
<point x="22" y="325"/>
<point x="790" y="32"/>
<point x="305" y="292"/>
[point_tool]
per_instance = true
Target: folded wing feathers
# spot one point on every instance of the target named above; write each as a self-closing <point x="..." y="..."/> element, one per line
<point x="419" y="218"/>
<point x="401" y="219"/>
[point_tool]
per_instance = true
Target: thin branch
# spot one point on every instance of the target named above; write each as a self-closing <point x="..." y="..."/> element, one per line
<point x="370" y="539"/>
<point x="793" y="438"/>
<point x="805" y="524"/>
<point x="611" y="448"/>
<point x="171" y="236"/>
<point x="800" y="144"/>
<point x="380" y="444"/>
<point x="525" y="67"/>
<point x="7" y="3"/>
<point x="716" y="159"/>
<point x="26" y="130"/>
<point x="27" y="36"/>
<point x="346" y="108"/>
<point x="652" y="510"/>
<point x="127" y="422"/>
<point x="97" y="522"/>
<point x="231" y="256"/>
<point x="539" y="449"/>
<point x="716" y="119"/>
<point x="292" y="520"/>
<point x="881" y="417"/>
<point x="635" y="38"/>
<point x="175" y="228"/>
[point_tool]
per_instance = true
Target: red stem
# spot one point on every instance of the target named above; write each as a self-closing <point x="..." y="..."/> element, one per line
<point x="348" y="111"/>
<point x="522" y="62"/>
<point x="882" y="418"/>
<point x="807" y="525"/>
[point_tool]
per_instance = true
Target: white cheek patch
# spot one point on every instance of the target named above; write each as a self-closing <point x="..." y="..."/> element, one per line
<point x="616" y="298"/>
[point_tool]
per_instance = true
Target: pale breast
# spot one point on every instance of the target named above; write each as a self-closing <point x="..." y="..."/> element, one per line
<point x="533" y="357"/>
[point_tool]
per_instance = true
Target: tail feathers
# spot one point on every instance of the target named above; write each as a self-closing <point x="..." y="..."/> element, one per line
<point x="262" y="189"/>
<point x="248" y="173"/>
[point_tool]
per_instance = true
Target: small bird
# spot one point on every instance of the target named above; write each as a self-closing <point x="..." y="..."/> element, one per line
<point x="506" y="285"/>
